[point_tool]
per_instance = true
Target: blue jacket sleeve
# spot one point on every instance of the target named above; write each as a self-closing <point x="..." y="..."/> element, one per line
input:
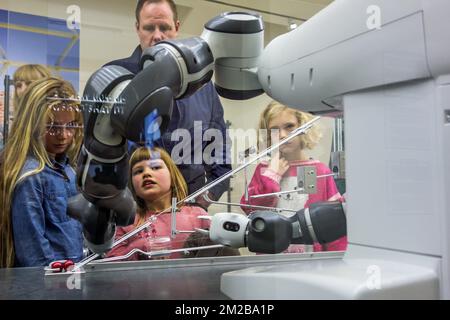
<point x="222" y="165"/>
<point x="28" y="221"/>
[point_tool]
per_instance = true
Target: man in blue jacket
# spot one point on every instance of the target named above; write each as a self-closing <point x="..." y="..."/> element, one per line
<point x="157" y="20"/>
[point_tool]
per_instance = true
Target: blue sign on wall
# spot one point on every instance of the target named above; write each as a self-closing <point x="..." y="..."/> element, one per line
<point x="26" y="38"/>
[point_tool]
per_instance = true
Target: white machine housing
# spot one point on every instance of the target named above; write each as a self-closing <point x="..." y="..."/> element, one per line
<point x="236" y="55"/>
<point x="393" y="84"/>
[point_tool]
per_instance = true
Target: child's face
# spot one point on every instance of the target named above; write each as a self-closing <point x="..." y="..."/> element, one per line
<point x="60" y="132"/>
<point x="284" y="124"/>
<point x="20" y="87"/>
<point x="151" y="179"/>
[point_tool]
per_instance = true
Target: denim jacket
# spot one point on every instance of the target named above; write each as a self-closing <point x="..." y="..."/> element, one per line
<point x="42" y="230"/>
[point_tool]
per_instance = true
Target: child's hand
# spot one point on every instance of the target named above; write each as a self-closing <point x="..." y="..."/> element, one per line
<point x="278" y="164"/>
<point x="202" y="202"/>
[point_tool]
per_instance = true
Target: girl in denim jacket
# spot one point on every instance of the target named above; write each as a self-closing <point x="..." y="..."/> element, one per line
<point x="37" y="178"/>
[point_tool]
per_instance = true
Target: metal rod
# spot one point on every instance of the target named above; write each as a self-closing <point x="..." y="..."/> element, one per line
<point x="157" y="253"/>
<point x="276" y="193"/>
<point x="228" y="125"/>
<point x="335" y="133"/>
<point x="229" y="198"/>
<point x="245" y="184"/>
<point x="85" y="261"/>
<point x="340" y="134"/>
<point x="125" y="237"/>
<point x="327" y="175"/>
<point x="291" y="191"/>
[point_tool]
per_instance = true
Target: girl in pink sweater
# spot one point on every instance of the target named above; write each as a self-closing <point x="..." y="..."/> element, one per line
<point x="154" y="180"/>
<point x="280" y="172"/>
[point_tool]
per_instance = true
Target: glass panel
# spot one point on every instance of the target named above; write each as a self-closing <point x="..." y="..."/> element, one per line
<point x="74" y="41"/>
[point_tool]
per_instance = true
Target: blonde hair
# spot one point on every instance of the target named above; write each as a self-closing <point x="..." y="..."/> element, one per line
<point x="29" y="73"/>
<point x="26" y="140"/>
<point x="178" y="184"/>
<point x="274" y="109"/>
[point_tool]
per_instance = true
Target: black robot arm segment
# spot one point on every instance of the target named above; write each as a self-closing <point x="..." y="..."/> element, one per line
<point x="195" y="63"/>
<point x="171" y="70"/>
<point x="268" y="232"/>
<point x="102" y="170"/>
<point x="322" y="222"/>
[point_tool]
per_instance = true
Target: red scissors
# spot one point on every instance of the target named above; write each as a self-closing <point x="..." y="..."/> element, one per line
<point x="60" y="265"/>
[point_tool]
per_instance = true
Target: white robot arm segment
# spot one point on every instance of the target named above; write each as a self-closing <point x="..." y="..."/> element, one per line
<point x="267" y="232"/>
<point x="236" y="40"/>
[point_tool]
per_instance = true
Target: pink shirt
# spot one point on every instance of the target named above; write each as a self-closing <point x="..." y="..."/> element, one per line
<point x="186" y="221"/>
<point x="265" y="180"/>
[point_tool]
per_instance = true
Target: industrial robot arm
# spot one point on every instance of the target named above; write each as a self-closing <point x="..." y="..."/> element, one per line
<point x="120" y="103"/>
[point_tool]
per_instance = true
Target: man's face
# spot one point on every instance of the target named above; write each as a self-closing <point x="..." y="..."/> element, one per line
<point x="156" y="24"/>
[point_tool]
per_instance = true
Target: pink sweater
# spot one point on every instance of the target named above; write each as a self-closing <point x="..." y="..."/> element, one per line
<point x="186" y="221"/>
<point x="266" y="180"/>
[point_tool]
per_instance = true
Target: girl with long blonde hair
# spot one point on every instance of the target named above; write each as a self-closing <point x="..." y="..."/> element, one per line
<point x="37" y="178"/>
<point x="277" y="121"/>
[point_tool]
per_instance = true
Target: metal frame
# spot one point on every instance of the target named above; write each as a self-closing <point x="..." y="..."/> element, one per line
<point x="98" y="266"/>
